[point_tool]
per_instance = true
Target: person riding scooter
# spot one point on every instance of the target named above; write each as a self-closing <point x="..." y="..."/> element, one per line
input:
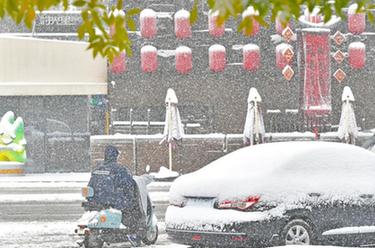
<point x="115" y="187"/>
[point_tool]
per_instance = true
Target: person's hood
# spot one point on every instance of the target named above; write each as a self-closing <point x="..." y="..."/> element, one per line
<point x="110" y="154"/>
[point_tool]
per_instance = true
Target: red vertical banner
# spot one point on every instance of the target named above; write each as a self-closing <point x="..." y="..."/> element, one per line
<point x="316" y="73"/>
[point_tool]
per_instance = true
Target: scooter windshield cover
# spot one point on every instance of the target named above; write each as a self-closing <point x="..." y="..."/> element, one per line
<point x="108" y="218"/>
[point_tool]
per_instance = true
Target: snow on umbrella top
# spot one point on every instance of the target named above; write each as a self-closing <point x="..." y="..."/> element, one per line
<point x="171" y="97"/>
<point x="254" y="96"/>
<point x="347" y="94"/>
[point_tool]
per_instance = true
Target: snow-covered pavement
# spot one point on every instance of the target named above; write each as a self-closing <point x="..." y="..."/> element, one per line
<point x="48" y="188"/>
<point x="56" y="180"/>
<point x="65" y="197"/>
<point x="55" y="235"/>
<point x="40" y="210"/>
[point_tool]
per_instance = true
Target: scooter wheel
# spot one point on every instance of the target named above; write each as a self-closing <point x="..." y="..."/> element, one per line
<point x="93" y="242"/>
<point x="151" y="236"/>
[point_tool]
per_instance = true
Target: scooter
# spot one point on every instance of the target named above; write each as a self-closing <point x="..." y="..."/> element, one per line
<point x="102" y="224"/>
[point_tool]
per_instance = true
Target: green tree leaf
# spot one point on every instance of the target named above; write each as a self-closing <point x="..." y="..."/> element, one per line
<point x="97" y="20"/>
<point x="79" y="3"/>
<point x="131" y="24"/>
<point x="194" y="12"/>
<point x="133" y="11"/>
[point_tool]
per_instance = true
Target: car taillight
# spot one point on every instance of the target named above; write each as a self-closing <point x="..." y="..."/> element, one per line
<point x="239" y="204"/>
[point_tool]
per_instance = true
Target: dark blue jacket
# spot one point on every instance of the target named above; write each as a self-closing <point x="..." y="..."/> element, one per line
<point x="114" y="186"/>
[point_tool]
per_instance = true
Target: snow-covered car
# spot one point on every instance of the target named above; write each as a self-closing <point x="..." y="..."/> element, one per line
<point x="277" y="194"/>
<point x="369" y="144"/>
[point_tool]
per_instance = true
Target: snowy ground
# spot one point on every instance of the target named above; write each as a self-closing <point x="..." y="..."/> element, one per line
<point x="64" y="197"/>
<point x="54" y="235"/>
<point x="40" y="211"/>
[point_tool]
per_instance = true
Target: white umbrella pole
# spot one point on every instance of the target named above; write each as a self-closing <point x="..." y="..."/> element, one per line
<point x="347" y="120"/>
<point x="170" y="135"/>
<point x="170" y="156"/>
<point x="256" y="122"/>
<point x="346" y="136"/>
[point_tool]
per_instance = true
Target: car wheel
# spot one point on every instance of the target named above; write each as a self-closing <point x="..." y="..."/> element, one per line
<point x="151" y="235"/>
<point x="296" y="232"/>
<point x="93" y="242"/>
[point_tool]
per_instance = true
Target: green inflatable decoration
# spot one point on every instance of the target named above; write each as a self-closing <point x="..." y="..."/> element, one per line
<point x="12" y="139"/>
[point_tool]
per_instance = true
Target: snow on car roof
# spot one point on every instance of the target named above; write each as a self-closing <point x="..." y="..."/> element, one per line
<point x="283" y="170"/>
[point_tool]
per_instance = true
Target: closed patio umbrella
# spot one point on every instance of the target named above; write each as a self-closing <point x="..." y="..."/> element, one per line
<point x="173" y="128"/>
<point x="254" y="130"/>
<point x="348" y="129"/>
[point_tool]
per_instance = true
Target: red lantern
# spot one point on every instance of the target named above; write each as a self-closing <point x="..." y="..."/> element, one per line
<point x="281" y="60"/>
<point x="213" y="28"/>
<point x="357" y="55"/>
<point x="182" y="27"/>
<point x="217" y="58"/>
<point x="119" y="64"/>
<point x="148" y="23"/>
<point x="251" y="57"/>
<point x="184" y="62"/>
<point x="149" y="59"/>
<point x="314" y="16"/>
<point x="250" y="13"/>
<point x="356" y="21"/>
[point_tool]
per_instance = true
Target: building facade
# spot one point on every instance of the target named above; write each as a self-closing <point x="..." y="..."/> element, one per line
<point x="48" y="84"/>
<point x="217" y="101"/>
<point x="58" y="126"/>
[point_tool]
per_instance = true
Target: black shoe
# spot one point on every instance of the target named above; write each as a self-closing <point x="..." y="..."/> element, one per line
<point x="134" y="240"/>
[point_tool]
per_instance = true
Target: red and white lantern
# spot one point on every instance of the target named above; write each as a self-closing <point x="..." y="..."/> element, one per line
<point x="357" y="55"/>
<point x="149" y="59"/>
<point x="184" y="62"/>
<point x="281" y="60"/>
<point x="314" y="16"/>
<point x="217" y="58"/>
<point x="213" y="28"/>
<point x="119" y="64"/>
<point x="251" y="57"/>
<point x="182" y="27"/>
<point x="148" y="23"/>
<point x="250" y="13"/>
<point x="356" y="21"/>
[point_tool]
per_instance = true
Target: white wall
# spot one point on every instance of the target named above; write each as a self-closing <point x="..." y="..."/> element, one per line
<point x="31" y="66"/>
